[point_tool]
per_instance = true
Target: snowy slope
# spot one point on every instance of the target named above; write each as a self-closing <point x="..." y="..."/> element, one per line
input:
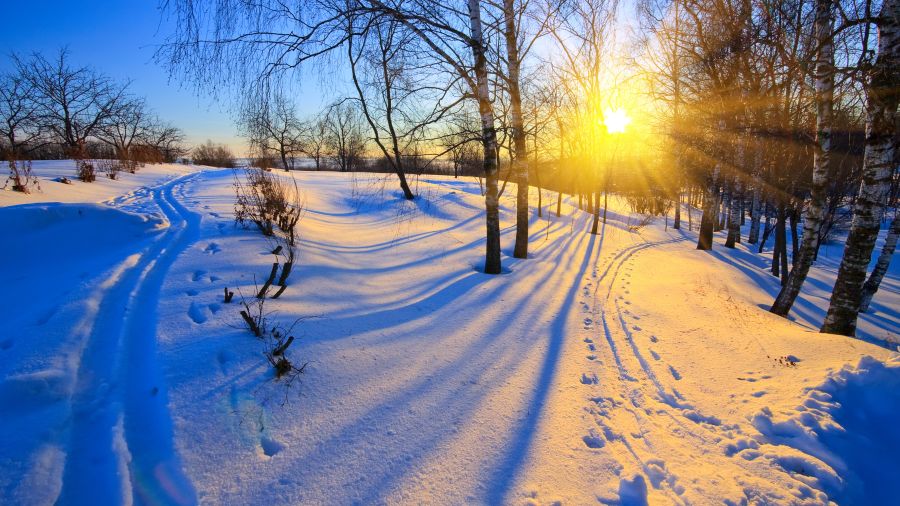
<point x="626" y="368"/>
<point x="51" y="190"/>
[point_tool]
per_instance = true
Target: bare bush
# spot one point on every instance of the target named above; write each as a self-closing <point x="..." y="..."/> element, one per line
<point x="267" y="201"/>
<point x="214" y="155"/>
<point x="21" y="177"/>
<point x="85" y="171"/>
<point x="276" y="338"/>
<point x="110" y="167"/>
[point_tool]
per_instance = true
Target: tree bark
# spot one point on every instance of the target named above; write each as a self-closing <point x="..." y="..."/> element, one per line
<point x="734" y="213"/>
<point x="881" y="112"/>
<point x="708" y="219"/>
<point x="753" y="237"/>
<point x="812" y="220"/>
<point x="881" y="266"/>
<point x="676" y="223"/>
<point x="488" y="142"/>
<point x="520" y="157"/>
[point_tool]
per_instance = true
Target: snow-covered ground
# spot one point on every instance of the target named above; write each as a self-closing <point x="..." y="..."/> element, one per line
<point x="51" y="190"/>
<point x="623" y="368"/>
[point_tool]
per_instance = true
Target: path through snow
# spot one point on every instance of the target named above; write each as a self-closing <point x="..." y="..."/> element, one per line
<point x="623" y="368"/>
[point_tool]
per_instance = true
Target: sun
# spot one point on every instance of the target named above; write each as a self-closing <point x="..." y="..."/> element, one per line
<point x="616" y="120"/>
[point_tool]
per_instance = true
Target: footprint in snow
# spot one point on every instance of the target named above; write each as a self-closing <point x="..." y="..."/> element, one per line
<point x="593" y="440"/>
<point x="198" y="275"/>
<point x="197" y="313"/>
<point x="270" y="447"/>
<point x="212" y="248"/>
<point x="589" y="380"/>
<point x="654" y="339"/>
<point x="654" y="355"/>
<point x="191" y="293"/>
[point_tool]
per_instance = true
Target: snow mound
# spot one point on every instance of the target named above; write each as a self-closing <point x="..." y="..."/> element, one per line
<point x="844" y="433"/>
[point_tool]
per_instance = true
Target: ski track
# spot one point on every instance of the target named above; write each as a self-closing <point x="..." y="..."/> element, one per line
<point x="659" y="430"/>
<point x="633" y="407"/>
<point x="121" y="445"/>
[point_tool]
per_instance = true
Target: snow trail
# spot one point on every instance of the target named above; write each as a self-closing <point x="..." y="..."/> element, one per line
<point x="121" y="435"/>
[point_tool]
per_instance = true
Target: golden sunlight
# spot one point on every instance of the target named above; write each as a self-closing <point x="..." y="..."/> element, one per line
<point x="616" y="120"/>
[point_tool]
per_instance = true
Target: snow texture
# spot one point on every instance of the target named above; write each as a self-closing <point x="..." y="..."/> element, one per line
<point x="623" y="368"/>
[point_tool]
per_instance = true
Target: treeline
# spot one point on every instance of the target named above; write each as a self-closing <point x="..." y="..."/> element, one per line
<point x="50" y="109"/>
<point x="786" y="112"/>
<point x="780" y="113"/>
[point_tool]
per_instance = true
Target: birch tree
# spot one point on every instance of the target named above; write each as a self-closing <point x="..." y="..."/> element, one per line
<point x="883" y="96"/>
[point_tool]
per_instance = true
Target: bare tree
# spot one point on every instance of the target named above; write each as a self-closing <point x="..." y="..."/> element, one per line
<point x="128" y="125"/>
<point x="346" y="142"/>
<point x="313" y="140"/>
<point x="74" y="102"/>
<point x="824" y="99"/>
<point x="273" y="124"/>
<point x="881" y="123"/>
<point x="386" y="62"/>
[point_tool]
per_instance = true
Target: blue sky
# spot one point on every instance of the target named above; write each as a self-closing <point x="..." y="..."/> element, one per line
<point x="118" y="38"/>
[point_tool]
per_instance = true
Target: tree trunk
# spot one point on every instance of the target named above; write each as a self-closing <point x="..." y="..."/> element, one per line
<point x="754" y="210"/>
<point x="708" y="219"/>
<point x="520" y="157"/>
<point x="722" y="207"/>
<point x="605" y="201"/>
<point x="734" y="215"/>
<point x="794" y="239"/>
<point x="488" y="142"/>
<point x="767" y="229"/>
<point x="881" y="111"/>
<point x="881" y="266"/>
<point x="676" y="223"/>
<point x="689" y="204"/>
<point x="596" y="212"/>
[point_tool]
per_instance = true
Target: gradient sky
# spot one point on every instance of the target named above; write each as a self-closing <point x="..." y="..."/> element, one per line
<point x="118" y="38"/>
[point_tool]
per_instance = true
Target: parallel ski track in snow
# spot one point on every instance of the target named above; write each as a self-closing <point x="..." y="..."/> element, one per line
<point x="121" y="448"/>
<point x="633" y="407"/>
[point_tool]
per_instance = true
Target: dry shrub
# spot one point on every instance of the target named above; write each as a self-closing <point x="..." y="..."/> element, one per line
<point x="110" y="167"/>
<point x="266" y="201"/>
<point x="21" y="177"/>
<point x="213" y="155"/>
<point x="85" y="171"/>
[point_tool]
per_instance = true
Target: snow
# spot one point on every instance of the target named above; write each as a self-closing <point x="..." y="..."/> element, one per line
<point x="624" y="368"/>
<point x="51" y="190"/>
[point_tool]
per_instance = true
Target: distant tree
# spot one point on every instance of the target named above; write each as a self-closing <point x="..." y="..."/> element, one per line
<point x="20" y="126"/>
<point x="313" y="140"/>
<point x="273" y="125"/>
<point x="346" y="141"/>
<point x="130" y="124"/>
<point x="74" y="103"/>
<point x="166" y="139"/>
